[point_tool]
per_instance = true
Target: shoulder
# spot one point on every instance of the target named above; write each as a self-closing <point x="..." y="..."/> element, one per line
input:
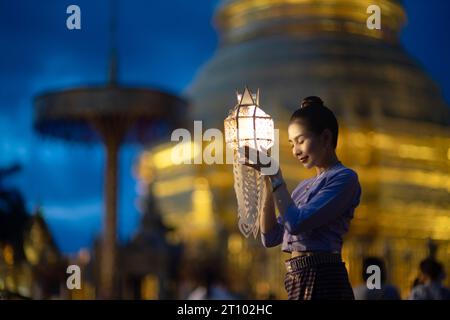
<point x="419" y="292"/>
<point x="343" y="173"/>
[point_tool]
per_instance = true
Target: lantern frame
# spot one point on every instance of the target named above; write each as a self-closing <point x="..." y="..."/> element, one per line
<point x="240" y="112"/>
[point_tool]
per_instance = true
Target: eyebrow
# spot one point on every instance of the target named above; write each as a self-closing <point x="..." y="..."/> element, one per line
<point x="297" y="137"/>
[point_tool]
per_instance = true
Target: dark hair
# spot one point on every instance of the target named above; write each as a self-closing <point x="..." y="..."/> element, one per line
<point x="318" y="117"/>
<point x="431" y="268"/>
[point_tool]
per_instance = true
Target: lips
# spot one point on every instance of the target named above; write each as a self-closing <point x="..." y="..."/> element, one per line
<point x="304" y="159"/>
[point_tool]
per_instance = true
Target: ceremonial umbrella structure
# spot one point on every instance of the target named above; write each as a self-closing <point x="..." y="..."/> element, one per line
<point x="113" y="115"/>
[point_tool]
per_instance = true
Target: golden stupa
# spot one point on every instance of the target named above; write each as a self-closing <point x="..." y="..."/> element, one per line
<point x="394" y="131"/>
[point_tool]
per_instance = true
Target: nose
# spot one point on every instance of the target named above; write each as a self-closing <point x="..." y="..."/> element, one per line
<point x="297" y="151"/>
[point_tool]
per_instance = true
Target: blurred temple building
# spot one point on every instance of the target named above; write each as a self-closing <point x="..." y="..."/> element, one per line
<point x="148" y="264"/>
<point x="31" y="265"/>
<point x="394" y="131"/>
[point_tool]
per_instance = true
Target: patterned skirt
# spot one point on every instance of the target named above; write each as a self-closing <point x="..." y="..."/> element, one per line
<point x="321" y="276"/>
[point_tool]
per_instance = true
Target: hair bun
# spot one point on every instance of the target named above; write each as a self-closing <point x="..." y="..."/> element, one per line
<point x="311" y="101"/>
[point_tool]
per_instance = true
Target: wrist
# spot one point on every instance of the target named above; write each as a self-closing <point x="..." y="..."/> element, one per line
<point x="276" y="181"/>
<point x="277" y="175"/>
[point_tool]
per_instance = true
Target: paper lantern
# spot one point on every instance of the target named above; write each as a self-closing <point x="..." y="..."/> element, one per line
<point x="248" y="125"/>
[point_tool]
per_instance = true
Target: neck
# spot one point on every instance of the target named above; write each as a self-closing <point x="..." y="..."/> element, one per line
<point x="331" y="161"/>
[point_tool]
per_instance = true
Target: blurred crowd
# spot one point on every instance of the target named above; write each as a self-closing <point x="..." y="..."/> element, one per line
<point x="428" y="285"/>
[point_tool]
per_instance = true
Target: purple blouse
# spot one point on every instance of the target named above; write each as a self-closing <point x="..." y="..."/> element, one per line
<point x="321" y="213"/>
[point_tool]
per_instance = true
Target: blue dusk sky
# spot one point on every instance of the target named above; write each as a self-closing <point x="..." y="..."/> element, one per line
<point x="162" y="44"/>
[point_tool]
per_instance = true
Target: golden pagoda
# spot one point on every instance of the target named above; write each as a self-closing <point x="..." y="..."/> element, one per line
<point x="394" y="131"/>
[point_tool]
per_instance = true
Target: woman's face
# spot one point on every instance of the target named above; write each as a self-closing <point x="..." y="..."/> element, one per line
<point x="307" y="147"/>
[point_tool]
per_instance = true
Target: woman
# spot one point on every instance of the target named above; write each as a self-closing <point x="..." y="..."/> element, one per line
<point x="314" y="218"/>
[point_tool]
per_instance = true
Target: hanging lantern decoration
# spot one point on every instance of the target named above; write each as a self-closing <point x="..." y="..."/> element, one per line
<point x="248" y="125"/>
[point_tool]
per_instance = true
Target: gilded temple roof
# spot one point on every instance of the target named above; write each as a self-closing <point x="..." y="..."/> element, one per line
<point x="296" y="48"/>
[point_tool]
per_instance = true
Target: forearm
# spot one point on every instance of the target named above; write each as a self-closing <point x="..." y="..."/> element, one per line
<point x="268" y="218"/>
<point x="281" y="195"/>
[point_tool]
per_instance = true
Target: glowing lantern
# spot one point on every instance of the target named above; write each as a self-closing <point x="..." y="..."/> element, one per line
<point x="248" y="125"/>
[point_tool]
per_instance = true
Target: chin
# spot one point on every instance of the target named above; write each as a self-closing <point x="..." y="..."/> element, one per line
<point x="307" y="165"/>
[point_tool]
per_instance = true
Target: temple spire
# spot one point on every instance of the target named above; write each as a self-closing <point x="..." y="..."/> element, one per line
<point x="113" y="59"/>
